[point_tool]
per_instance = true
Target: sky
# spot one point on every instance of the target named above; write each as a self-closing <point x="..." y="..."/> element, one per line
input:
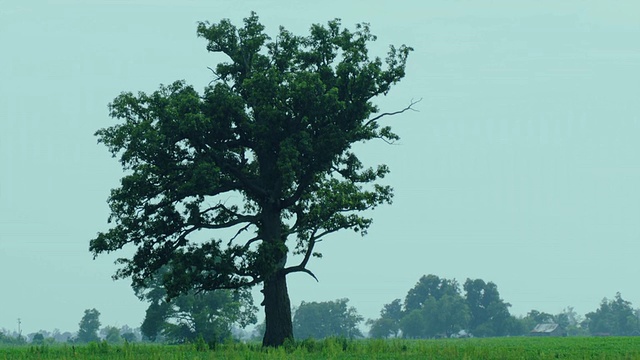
<point x="520" y="166"/>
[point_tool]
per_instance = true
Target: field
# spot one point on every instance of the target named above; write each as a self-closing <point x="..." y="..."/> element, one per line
<point x="495" y="348"/>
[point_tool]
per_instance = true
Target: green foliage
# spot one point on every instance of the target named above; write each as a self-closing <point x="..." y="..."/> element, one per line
<point x="569" y="320"/>
<point x="489" y="313"/>
<point x="320" y="320"/>
<point x="89" y="325"/>
<point x="6" y="339"/>
<point x="383" y="328"/>
<point x="112" y="335"/>
<point x="437" y="318"/>
<point x="388" y="325"/>
<point x="192" y="316"/>
<point x="38" y="339"/>
<point x="275" y="128"/>
<point x="435" y="307"/>
<point x="274" y="133"/>
<point x="129" y="337"/>
<point x="430" y="286"/>
<point x="614" y="317"/>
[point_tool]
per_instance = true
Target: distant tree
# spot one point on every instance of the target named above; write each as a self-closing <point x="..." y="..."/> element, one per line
<point x="275" y="131"/>
<point x="112" y="335"/>
<point x="437" y="318"/>
<point x="11" y="338"/>
<point x="323" y="319"/>
<point x="128" y="334"/>
<point x="435" y="307"/>
<point x="209" y="314"/>
<point x="571" y="321"/>
<point x="445" y="316"/>
<point x="412" y="325"/>
<point x="258" y="330"/>
<point x="429" y="286"/>
<point x="129" y="337"/>
<point x="388" y="325"/>
<point x="614" y="317"/>
<point x="37" y="339"/>
<point x="89" y="326"/>
<point x="489" y="313"/>
<point x="524" y="325"/>
<point x="540" y="317"/>
<point x="61" y="336"/>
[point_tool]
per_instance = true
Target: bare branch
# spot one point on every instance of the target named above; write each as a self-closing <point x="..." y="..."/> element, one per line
<point x="218" y="77"/>
<point x="385" y="140"/>
<point x="300" y="269"/>
<point x="302" y="266"/>
<point x="244" y="228"/>
<point x="410" y="107"/>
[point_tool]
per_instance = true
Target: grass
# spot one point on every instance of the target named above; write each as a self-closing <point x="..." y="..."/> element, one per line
<point x="493" y="348"/>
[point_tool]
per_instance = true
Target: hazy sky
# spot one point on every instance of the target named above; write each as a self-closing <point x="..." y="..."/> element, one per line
<point x="522" y="166"/>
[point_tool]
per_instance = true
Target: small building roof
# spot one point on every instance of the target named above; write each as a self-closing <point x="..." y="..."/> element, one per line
<point x="544" y="328"/>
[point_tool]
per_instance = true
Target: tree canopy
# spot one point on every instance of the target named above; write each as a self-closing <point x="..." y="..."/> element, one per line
<point x="388" y="325"/>
<point x="89" y="326"/>
<point x="265" y="152"/>
<point x="187" y="317"/>
<point x="489" y="313"/>
<point x="324" y="319"/>
<point x="435" y="307"/>
<point x="614" y="317"/>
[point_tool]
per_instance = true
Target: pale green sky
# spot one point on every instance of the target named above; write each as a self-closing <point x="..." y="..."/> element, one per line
<point x="522" y="166"/>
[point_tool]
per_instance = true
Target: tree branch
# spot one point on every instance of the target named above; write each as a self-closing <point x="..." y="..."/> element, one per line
<point x="410" y="107"/>
<point x="300" y="269"/>
<point x="302" y="266"/>
<point x="244" y="228"/>
<point x="239" y="219"/>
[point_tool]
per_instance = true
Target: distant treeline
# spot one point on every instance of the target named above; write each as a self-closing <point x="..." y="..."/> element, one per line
<point x="438" y="307"/>
<point x="435" y="307"/>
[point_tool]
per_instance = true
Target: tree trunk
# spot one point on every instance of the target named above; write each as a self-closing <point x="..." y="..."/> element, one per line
<point x="277" y="309"/>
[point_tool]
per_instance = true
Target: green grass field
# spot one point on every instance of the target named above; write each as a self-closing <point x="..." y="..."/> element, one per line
<point x="494" y="348"/>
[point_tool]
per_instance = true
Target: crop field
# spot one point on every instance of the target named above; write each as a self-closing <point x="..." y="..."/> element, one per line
<point x="494" y="348"/>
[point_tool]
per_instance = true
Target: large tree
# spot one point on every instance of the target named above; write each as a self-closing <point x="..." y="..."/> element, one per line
<point x="264" y="152"/>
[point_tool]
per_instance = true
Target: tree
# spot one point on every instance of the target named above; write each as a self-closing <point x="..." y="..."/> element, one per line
<point x="38" y="339"/>
<point x="540" y="317"/>
<point x="187" y="317"/>
<point x="614" y="317"/>
<point x="437" y="318"/>
<point x="388" y="324"/>
<point x="412" y="325"/>
<point x="489" y="313"/>
<point x="264" y="152"/>
<point x="89" y="325"/>
<point x="433" y="308"/>
<point x="329" y="318"/>
<point x="112" y="335"/>
<point x="11" y="339"/>
<point x="429" y="286"/>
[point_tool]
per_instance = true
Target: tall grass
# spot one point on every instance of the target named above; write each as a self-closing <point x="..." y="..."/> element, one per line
<point x="337" y="348"/>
